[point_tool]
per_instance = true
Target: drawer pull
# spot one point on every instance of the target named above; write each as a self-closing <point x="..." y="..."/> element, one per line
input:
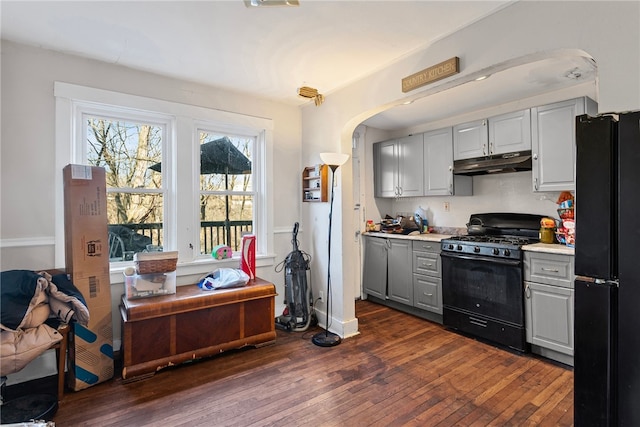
<point x="552" y="270"/>
<point x="427" y="295"/>
<point x="427" y="247"/>
<point x="424" y="264"/>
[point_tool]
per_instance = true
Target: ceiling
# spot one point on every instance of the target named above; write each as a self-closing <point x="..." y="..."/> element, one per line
<point x="267" y="52"/>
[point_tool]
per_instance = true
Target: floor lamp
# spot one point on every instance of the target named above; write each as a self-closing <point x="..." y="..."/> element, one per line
<point x="326" y="338"/>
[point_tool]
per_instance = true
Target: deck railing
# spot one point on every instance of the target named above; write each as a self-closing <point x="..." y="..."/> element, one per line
<point x="212" y="233"/>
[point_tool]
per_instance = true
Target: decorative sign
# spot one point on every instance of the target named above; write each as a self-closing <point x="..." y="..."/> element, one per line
<point x="431" y="74"/>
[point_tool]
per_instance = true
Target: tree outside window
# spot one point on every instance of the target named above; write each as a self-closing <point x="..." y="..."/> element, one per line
<point x="126" y="150"/>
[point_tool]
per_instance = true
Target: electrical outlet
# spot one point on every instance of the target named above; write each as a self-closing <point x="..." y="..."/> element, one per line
<point x="321" y="296"/>
<point x="446" y="206"/>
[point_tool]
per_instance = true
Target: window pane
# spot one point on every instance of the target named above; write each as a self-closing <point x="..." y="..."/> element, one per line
<point x="140" y="230"/>
<point x="130" y="152"/>
<point x="222" y="226"/>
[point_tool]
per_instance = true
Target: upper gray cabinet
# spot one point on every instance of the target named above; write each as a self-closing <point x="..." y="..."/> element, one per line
<point x="470" y="140"/>
<point x="553" y="145"/>
<point x="398" y="167"/>
<point x="496" y="135"/>
<point x="438" y="166"/>
<point x="510" y="132"/>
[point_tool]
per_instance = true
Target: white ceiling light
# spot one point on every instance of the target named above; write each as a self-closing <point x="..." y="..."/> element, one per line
<point x="266" y="3"/>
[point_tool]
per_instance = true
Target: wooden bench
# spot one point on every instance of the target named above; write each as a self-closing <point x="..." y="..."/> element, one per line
<point x="192" y="323"/>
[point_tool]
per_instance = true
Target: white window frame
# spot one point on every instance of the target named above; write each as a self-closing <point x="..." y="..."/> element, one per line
<point x="182" y="191"/>
<point x="84" y="110"/>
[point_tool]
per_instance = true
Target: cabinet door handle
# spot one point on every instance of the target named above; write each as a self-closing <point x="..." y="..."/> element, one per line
<point x="535" y="183"/>
<point x="535" y="156"/>
<point x="484" y="149"/>
<point x="527" y="292"/>
<point x="490" y="147"/>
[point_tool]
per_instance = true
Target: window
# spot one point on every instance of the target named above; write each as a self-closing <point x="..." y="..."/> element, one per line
<point x="179" y="177"/>
<point x="131" y="154"/>
<point x="226" y="189"/>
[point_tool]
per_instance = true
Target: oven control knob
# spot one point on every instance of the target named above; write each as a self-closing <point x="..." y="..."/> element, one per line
<point x="450" y="247"/>
<point x="476" y="249"/>
<point x="496" y="251"/>
<point x="507" y="252"/>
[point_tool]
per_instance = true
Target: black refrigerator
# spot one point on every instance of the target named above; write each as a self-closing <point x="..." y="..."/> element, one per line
<point x="607" y="268"/>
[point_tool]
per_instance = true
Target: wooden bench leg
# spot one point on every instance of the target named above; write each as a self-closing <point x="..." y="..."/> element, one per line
<point x="61" y="358"/>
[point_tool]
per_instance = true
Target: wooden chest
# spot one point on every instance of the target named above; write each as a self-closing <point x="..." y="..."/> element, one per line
<point x="166" y="330"/>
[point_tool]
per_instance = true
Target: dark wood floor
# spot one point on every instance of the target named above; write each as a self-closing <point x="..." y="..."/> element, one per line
<point x="400" y="370"/>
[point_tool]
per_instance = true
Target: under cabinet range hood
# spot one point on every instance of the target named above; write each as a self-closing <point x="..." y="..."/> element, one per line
<point x="497" y="163"/>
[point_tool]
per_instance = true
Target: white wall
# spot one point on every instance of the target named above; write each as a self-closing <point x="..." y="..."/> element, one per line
<point x="27" y="171"/>
<point x="525" y="31"/>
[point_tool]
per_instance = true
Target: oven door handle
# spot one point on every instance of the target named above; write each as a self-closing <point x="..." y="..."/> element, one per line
<point x="501" y="261"/>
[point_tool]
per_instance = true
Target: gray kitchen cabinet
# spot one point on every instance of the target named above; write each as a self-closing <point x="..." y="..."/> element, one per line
<point x="398" y="167"/>
<point x="399" y="262"/>
<point x="427" y="279"/>
<point x="510" y="132"/>
<point x="470" y="140"/>
<point x="385" y="163"/>
<point x="553" y="144"/>
<point x="387" y="269"/>
<point x="439" y="179"/>
<point x="374" y="275"/>
<point x="500" y="134"/>
<point x="549" y="305"/>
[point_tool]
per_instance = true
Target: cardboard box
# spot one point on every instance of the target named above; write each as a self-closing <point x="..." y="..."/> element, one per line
<point x="91" y="347"/>
<point x="149" y="285"/>
<point x="87" y="262"/>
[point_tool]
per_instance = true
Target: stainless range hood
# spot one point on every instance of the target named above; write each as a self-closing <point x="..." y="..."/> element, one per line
<point x="498" y="163"/>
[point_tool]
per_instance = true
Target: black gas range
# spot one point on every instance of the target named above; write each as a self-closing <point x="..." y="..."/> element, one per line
<point x="482" y="277"/>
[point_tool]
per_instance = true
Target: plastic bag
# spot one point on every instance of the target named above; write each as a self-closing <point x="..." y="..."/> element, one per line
<point x="223" y="278"/>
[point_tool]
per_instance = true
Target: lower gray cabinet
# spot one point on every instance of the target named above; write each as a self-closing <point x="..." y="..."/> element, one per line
<point x="549" y="305"/>
<point x="374" y="276"/>
<point x="387" y="269"/>
<point x="549" y="311"/>
<point x="427" y="281"/>
<point x="399" y="271"/>
<point x="404" y="274"/>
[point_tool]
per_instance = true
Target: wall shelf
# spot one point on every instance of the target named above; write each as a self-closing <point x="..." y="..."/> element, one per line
<point x="314" y="183"/>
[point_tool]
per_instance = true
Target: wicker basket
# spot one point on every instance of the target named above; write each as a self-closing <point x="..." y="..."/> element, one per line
<point x="155" y="262"/>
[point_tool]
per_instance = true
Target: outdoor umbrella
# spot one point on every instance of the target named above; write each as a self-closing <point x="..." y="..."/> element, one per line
<point x="220" y="156"/>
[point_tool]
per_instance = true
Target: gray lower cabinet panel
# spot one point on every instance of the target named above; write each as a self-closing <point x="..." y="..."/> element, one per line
<point x="400" y="285"/>
<point x="549" y="318"/>
<point x="374" y="276"/>
<point x="427" y="293"/>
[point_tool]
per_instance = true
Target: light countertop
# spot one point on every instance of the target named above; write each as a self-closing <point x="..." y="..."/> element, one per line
<point x="433" y="237"/>
<point x="430" y="237"/>
<point x="549" y="248"/>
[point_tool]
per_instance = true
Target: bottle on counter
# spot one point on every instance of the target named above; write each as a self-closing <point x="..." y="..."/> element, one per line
<point x="547" y="230"/>
<point x="420" y="218"/>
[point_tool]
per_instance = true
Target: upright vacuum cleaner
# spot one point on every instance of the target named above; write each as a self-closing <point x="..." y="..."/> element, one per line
<point x="298" y="297"/>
